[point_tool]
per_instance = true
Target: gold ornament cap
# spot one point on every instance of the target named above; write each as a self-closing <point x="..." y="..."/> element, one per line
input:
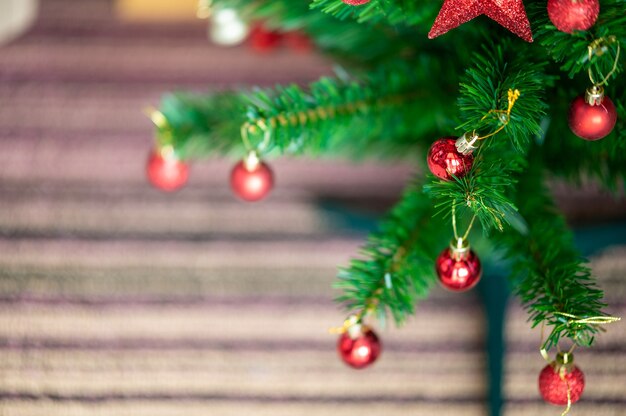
<point x="251" y="162"/>
<point x="459" y="248"/>
<point x="594" y="95"/>
<point x="564" y="360"/>
<point x="465" y="144"/>
<point x="167" y="152"/>
<point x="354" y="327"/>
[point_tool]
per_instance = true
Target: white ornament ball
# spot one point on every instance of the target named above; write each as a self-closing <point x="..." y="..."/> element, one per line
<point x="226" y="28"/>
<point x="16" y="17"/>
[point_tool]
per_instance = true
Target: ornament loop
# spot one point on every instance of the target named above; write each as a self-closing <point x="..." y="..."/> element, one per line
<point x="592" y="320"/>
<point x="544" y="352"/>
<point x="503" y="115"/>
<point x="350" y="321"/>
<point x="156" y="117"/>
<point x="164" y="137"/>
<point x="454" y="228"/>
<point x="352" y="325"/>
<point x="247" y="128"/>
<point x="598" y="48"/>
<point x="569" y="392"/>
<point x="565" y="358"/>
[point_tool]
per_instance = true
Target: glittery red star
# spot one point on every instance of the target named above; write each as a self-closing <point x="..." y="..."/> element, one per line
<point x="509" y="13"/>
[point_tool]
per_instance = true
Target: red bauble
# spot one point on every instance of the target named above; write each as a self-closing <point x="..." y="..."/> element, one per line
<point x="571" y="15"/>
<point x="593" y="116"/>
<point x="553" y="388"/>
<point x="166" y="172"/>
<point x="355" y="2"/>
<point x="251" y="179"/>
<point x="359" y="350"/>
<point x="444" y="160"/>
<point x="264" y="40"/>
<point x="458" y="267"/>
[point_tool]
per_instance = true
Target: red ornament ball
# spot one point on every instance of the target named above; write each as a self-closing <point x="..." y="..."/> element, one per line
<point x="251" y="179"/>
<point x="166" y="172"/>
<point x="263" y="40"/>
<point x="359" y="351"/>
<point x="444" y="160"/>
<point x="553" y="389"/>
<point x="592" y="119"/>
<point x="458" y="267"/>
<point x="355" y="2"/>
<point x="571" y="15"/>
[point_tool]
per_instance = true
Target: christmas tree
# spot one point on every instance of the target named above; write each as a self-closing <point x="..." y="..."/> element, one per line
<point x="494" y="105"/>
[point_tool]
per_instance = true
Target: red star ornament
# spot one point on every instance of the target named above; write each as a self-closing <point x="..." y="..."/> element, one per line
<point x="508" y="13"/>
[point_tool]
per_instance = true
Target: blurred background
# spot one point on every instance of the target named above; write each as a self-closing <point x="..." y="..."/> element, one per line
<point x="118" y="299"/>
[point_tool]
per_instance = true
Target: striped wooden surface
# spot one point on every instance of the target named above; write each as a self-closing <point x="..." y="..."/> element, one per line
<point x="116" y="299"/>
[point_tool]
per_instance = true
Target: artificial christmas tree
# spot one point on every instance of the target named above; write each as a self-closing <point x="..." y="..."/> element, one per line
<point x="395" y="92"/>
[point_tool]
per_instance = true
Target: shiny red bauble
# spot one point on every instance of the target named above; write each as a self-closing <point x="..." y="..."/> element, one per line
<point x="458" y="267"/>
<point x="592" y="119"/>
<point x="571" y="15"/>
<point x="166" y="172"/>
<point x="355" y="2"/>
<point x="251" y="180"/>
<point x="359" y="350"/>
<point x="444" y="160"/>
<point x="553" y="388"/>
<point x="263" y="40"/>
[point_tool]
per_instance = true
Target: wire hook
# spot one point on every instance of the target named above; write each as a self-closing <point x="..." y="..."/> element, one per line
<point x="598" y="47"/>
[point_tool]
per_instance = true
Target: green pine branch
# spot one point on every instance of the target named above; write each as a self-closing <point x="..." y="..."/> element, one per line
<point x="486" y="190"/>
<point x="340" y="115"/>
<point x="551" y="279"/>
<point x="197" y="126"/>
<point x="397" y="267"/>
<point x="494" y="71"/>
<point x="392" y="12"/>
<point x="380" y="113"/>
